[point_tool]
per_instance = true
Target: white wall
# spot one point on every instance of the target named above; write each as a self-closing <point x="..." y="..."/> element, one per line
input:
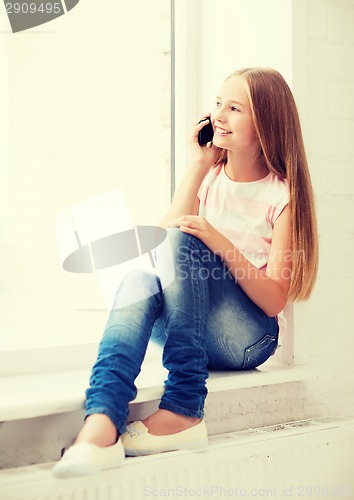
<point x="242" y="33"/>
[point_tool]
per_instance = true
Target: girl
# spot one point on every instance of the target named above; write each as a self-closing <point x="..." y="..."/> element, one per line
<point x="242" y="230"/>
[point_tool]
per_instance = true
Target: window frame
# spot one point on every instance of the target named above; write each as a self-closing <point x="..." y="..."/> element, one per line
<point x="186" y="50"/>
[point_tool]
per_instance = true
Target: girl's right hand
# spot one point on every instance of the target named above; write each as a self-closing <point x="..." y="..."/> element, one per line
<point x="204" y="156"/>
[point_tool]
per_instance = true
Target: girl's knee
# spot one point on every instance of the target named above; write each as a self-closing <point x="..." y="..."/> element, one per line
<point x="139" y="277"/>
<point x="137" y="285"/>
<point x="179" y="239"/>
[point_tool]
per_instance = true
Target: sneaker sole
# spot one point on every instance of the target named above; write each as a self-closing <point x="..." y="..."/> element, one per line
<point x="197" y="445"/>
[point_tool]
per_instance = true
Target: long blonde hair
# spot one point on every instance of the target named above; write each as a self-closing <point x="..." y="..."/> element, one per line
<point x="278" y="128"/>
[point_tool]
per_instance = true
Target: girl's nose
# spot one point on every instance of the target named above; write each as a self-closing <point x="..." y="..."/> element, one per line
<point x="218" y="114"/>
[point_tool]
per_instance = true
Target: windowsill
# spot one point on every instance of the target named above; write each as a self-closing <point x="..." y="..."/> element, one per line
<point x="41" y="394"/>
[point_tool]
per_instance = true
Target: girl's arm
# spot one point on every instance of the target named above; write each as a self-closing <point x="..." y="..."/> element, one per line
<point x="185" y="199"/>
<point x="268" y="289"/>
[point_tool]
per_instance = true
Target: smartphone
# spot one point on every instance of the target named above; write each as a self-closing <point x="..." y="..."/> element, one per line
<point x="206" y="134"/>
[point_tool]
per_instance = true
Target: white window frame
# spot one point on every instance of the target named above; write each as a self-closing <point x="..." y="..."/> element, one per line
<point x="186" y="28"/>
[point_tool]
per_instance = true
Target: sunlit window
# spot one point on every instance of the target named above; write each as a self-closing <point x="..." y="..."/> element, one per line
<point x="88" y="111"/>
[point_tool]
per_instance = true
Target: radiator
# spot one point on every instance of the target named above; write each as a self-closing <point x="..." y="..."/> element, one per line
<point x="303" y="459"/>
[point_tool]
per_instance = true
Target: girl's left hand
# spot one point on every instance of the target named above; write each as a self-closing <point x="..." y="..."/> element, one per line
<point x="200" y="228"/>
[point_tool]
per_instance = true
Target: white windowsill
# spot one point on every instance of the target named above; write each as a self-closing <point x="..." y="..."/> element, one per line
<point x="34" y="395"/>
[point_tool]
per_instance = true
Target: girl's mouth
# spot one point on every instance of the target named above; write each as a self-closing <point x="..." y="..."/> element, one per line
<point x="221" y="131"/>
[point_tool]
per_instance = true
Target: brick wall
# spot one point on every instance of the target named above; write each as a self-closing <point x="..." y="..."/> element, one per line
<point x="325" y="325"/>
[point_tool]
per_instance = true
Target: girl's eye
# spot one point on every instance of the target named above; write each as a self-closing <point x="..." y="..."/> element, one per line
<point x="217" y="104"/>
<point x="233" y="108"/>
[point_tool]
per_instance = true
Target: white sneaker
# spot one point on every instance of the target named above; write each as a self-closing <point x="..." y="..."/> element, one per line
<point x="87" y="458"/>
<point x="138" y="441"/>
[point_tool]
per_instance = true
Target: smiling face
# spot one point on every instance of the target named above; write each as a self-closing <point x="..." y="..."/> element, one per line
<point x="232" y="118"/>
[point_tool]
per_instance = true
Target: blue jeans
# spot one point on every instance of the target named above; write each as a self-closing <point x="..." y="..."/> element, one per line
<point x="203" y="319"/>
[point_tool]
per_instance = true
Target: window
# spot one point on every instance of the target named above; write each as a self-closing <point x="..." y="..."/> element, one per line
<point x="88" y="112"/>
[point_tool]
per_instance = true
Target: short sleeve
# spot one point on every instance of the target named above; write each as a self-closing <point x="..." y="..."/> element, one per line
<point x="204" y="188"/>
<point x="281" y="198"/>
<point x="206" y="183"/>
<point x="201" y="190"/>
<point x="281" y="207"/>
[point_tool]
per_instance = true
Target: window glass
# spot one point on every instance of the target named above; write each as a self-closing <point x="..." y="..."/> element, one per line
<point x="88" y="112"/>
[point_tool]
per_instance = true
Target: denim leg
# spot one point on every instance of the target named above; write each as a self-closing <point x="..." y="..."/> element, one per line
<point x="185" y="313"/>
<point x="239" y="334"/>
<point x="123" y="347"/>
<point x="208" y="319"/>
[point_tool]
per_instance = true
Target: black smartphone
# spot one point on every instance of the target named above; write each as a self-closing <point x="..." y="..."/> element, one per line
<point x="206" y="134"/>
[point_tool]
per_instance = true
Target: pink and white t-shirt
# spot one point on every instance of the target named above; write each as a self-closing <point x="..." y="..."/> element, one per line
<point x="245" y="212"/>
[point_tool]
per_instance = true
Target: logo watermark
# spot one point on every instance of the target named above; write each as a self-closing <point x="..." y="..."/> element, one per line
<point x="218" y="491"/>
<point x="98" y="236"/>
<point x="24" y="15"/>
